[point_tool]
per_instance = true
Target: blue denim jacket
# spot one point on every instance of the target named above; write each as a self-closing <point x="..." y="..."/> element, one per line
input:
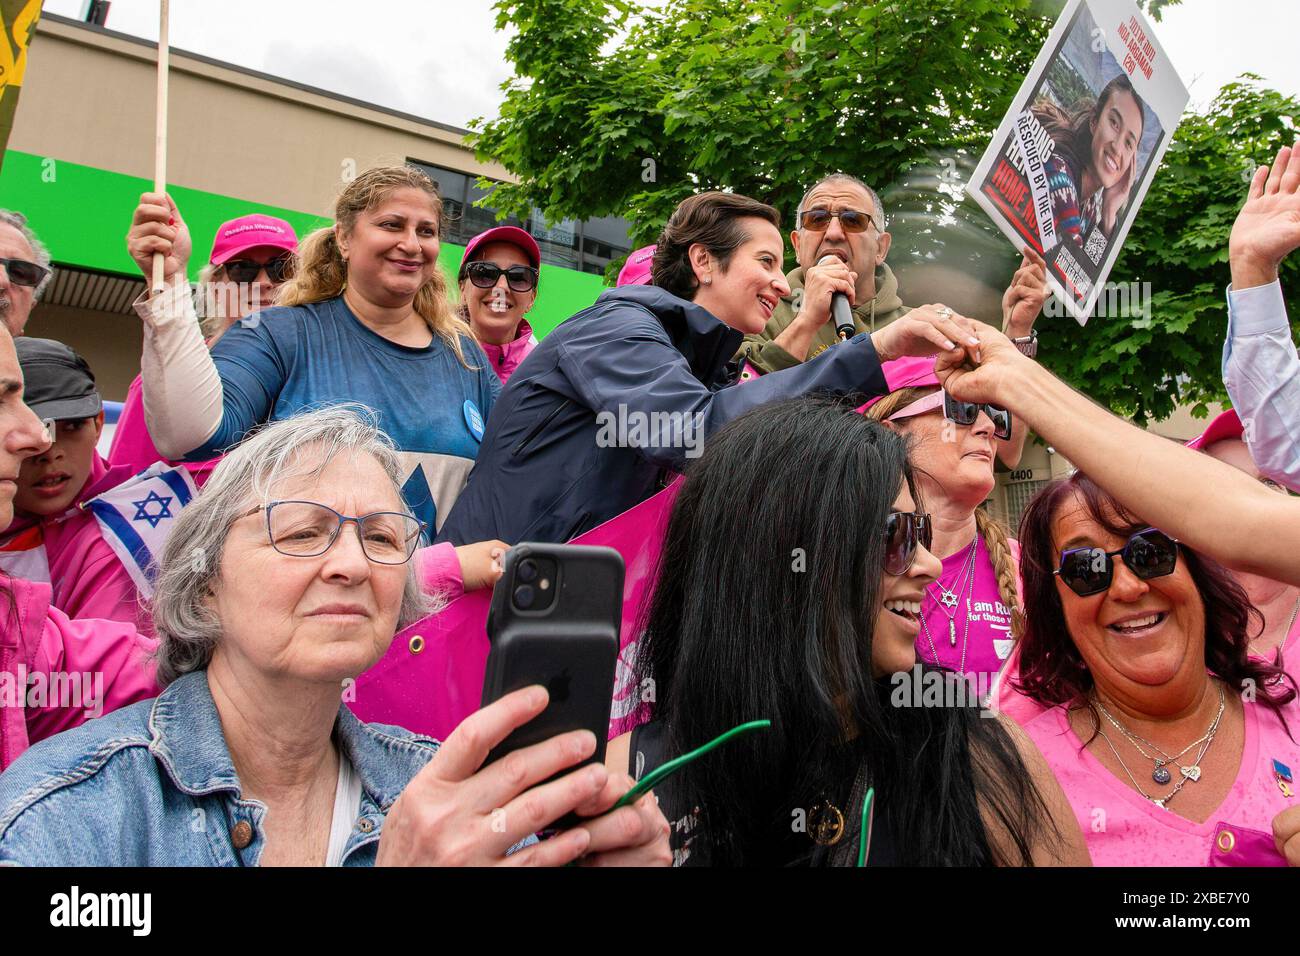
<point x="153" y="784"/>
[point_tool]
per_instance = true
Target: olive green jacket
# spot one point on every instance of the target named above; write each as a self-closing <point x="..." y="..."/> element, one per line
<point x="764" y="354"/>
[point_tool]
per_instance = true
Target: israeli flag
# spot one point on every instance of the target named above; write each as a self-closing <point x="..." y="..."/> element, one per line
<point x="136" y="517"/>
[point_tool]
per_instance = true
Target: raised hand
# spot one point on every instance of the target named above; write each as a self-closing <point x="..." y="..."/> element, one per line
<point x="1024" y="298"/>
<point x="928" y="330"/>
<point x="157" y="226"/>
<point x="1268" y="227"/>
<point x="991" y="378"/>
<point x="455" y="812"/>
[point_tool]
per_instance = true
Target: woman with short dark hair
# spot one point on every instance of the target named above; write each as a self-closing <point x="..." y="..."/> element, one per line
<point x="628" y="389"/>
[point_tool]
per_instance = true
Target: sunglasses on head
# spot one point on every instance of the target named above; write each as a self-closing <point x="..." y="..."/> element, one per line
<point x="485" y="276"/>
<point x="819" y="220"/>
<point x="245" y="270"/>
<point x="22" y="272"/>
<point x="965" y="413"/>
<point x="1148" y="554"/>
<point x="903" y="532"/>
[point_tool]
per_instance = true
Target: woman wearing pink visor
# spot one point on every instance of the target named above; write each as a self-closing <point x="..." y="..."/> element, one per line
<point x="968" y="615"/>
<point x="498" y="286"/>
<point x="251" y="258"/>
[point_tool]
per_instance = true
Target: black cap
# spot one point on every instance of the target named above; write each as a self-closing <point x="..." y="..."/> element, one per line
<point x="58" y="383"/>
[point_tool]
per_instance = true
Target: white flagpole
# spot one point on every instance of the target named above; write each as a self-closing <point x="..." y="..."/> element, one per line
<point x="160" y="133"/>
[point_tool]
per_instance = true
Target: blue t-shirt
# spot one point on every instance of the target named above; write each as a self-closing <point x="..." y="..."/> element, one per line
<point x="292" y="359"/>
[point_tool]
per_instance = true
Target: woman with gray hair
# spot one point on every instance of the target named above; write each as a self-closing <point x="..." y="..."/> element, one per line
<point x="266" y="610"/>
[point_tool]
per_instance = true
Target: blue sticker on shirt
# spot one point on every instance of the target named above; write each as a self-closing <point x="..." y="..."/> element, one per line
<point x="474" y="419"/>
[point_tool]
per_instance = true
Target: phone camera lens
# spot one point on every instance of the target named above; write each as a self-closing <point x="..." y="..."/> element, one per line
<point x="524" y="597"/>
<point x="527" y="571"/>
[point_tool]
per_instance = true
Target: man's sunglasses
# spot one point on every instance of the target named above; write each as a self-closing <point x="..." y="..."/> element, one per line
<point x="22" y="272"/>
<point x="485" y="276"/>
<point x="819" y="220"/>
<point x="965" y="413"/>
<point x="245" y="270"/>
<point x="903" y="532"/>
<point x="1148" y="554"/>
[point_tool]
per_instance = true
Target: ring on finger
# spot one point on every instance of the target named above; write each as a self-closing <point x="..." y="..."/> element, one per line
<point x="945" y="313"/>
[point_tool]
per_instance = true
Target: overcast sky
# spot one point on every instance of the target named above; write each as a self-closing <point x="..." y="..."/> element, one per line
<point x="443" y="60"/>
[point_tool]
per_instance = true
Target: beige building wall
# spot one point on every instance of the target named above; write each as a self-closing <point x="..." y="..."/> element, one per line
<point x="88" y="98"/>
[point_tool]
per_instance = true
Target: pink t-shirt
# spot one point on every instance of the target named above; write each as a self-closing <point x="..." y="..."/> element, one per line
<point x="1123" y="828"/>
<point x="988" y="642"/>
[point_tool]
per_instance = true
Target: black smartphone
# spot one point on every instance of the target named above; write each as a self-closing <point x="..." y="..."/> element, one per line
<point x="554" y="620"/>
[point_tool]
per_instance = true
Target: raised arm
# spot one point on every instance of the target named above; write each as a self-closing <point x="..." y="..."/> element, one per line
<point x="182" y="393"/>
<point x="1021" y="304"/>
<point x="1210" y="506"/>
<point x="1260" y="366"/>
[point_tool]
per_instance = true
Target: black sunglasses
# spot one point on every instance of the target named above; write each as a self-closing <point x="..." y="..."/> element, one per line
<point x="22" y="272"/>
<point x="245" y="270"/>
<point x="1148" y="554"/>
<point x="965" y="413"/>
<point x="819" y="220"/>
<point x="485" y="276"/>
<point x="903" y="532"/>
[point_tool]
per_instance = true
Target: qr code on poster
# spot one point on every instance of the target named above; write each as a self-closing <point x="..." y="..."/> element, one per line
<point x="1096" y="246"/>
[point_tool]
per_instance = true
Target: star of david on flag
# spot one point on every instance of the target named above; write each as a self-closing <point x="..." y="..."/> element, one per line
<point x="136" y="526"/>
<point x="142" y="512"/>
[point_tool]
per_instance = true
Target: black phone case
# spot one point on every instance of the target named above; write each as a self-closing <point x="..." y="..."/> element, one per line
<point x="571" y="648"/>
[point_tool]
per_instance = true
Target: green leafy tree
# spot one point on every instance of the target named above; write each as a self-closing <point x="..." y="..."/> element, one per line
<point x="1158" y="354"/>
<point x="758" y="96"/>
<point x="618" y="109"/>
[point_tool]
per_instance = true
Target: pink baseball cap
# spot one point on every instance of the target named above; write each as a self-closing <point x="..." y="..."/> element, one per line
<point x="1225" y="425"/>
<point x="636" y="271"/>
<point x="249" y="232"/>
<point x="511" y="234"/>
<point x="906" y="372"/>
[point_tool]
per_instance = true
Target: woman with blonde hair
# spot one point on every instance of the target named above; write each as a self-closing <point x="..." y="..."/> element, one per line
<point x="971" y="614"/>
<point x="365" y="318"/>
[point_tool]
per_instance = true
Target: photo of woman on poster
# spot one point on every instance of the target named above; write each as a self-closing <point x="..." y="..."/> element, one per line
<point x="1094" y="164"/>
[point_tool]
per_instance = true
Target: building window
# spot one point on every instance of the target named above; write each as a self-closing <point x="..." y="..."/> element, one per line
<point x="1019" y="494"/>
<point x="587" y="246"/>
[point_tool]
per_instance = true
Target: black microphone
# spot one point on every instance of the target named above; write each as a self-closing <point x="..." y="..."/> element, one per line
<point x="840" y="311"/>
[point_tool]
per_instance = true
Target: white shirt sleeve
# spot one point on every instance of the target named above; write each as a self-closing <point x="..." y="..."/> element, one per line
<point x="182" y="390"/>
<point x="1262" y="373"/>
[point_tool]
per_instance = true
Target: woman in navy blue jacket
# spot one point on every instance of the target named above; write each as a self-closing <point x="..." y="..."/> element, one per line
<point x="631" y="387"/>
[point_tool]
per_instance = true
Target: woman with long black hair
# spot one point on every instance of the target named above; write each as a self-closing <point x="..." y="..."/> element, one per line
<point x="803" y="607"/>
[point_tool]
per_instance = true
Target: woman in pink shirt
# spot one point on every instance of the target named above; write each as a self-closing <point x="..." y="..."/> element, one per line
<point x="968" y="614"/>
<point x="54" y="538"/>
<point x="498" y="286"/>
<point x="54" y="672"/>
<point x="1172" y="743"/>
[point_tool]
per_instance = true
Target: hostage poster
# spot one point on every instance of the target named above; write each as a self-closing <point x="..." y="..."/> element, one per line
<point x="1072" y="160"/>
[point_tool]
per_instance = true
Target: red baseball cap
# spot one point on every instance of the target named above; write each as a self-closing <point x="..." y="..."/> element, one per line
<point x="1225" y="425"/>
<point x="511" y="234"/>
<point x="636" y="271"/>
<point x="249" y="232"/>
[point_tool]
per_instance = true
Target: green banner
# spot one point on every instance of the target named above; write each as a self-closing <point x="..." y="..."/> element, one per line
<point x="19" y="20"/>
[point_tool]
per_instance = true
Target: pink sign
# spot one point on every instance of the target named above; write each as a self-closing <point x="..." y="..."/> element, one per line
<point x="432" y="676"/>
